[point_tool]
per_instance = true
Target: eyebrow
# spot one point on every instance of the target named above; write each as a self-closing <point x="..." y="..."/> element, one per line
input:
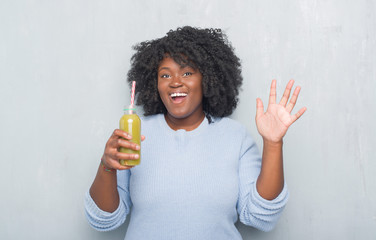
<point x="163" y="68"/>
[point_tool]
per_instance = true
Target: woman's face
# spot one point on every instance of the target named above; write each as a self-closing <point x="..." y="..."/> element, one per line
<point x="180" y="88"/>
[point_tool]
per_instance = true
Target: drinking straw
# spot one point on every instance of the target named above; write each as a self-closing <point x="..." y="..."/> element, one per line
<point x="132" y="95"/>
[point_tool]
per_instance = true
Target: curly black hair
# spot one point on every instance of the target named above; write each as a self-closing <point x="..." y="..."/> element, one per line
<point x="205" y="49"/>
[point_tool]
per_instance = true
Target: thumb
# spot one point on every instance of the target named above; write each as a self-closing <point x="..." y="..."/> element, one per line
<point x="259" y="107"/>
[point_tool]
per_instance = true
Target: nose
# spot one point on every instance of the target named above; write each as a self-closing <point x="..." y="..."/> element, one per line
<point x="176" y="82"/>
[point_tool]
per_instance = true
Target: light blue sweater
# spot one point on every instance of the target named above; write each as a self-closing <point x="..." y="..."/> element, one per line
<point x="191" y="185"/>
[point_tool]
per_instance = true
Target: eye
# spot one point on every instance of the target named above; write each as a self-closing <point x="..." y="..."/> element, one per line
<point x="165" y="76"/>
<point x="187" y="74"/>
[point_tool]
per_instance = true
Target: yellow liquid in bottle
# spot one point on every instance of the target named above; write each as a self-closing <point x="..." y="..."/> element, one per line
<point x="131" y="124"/>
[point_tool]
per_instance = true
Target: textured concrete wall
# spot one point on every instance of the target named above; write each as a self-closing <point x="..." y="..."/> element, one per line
<point x="62" y="87"/>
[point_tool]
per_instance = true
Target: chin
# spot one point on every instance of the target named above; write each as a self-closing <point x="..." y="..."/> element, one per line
<point x="178" y="115"/>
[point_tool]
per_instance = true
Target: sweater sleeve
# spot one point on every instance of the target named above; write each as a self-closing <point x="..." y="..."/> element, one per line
<point x="105" y="221"/>
<point x="254" y="210"/>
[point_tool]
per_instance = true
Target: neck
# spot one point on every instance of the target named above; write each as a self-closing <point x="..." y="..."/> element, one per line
<point x="190" y="123"/>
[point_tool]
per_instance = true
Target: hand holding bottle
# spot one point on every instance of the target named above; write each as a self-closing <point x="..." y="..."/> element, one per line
<point x="112" y="156"/>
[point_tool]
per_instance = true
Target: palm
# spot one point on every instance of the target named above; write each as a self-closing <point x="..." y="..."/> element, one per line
<point x="273" y="124"/>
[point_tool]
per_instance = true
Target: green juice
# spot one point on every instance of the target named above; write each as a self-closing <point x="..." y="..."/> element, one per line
<point x="131" y="123"/>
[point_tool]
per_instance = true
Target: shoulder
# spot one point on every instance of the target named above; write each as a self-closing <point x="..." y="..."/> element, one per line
<point x="151" y="123"/>
<point x="233" y="134"/>
<point x="228" y="123"/>
<point x="150" y="119"/>
<point x="229" y="128"/>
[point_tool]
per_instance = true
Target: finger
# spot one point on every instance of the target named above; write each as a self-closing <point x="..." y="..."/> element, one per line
<point x="286" y="94"/>
<point x="127" y="144"/>
<point x="298" y="114"/>
<point x="110" y="163"/>
<point x="121" y="133"/>
<point x="127" y="156"/>
<point x="259" y="107"/>
<point x="119" y="142"/>
<point x="115" y="164"/>
<point x="142" y="137"/>
<point x="273" y="92"/>
<point x="293" y="99"/>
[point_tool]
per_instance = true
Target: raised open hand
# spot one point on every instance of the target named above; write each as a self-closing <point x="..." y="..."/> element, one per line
<point x="273" y="124"/>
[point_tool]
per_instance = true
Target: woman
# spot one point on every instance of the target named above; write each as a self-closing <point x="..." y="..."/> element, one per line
<point x="200" y="170"/>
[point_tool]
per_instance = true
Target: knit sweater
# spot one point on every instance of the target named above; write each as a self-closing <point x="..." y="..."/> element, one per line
<point x="191" y="185"/>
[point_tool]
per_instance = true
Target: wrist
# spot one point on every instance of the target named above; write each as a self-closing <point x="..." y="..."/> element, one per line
<point x="105" y="167"/>
<point x="273" y="144"/>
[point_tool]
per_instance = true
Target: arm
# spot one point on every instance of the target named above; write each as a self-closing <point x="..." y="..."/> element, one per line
<point x="108" y="201"/>
<point x="254" y="210"/>
<point x="271" y="181"/>
<point x="263" y="192"/>
<point x="106" y="221"/>
<point x="272" y="126"/>
<point x="104" y="188"/>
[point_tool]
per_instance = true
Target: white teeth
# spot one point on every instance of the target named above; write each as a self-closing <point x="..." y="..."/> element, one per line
<point x="178" y="94"/>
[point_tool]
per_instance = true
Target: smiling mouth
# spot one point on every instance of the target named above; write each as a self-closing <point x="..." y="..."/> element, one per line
<point x="178" y="97"/>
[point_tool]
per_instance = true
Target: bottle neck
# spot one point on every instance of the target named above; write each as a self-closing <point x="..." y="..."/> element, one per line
<point x="129" y="111"/>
